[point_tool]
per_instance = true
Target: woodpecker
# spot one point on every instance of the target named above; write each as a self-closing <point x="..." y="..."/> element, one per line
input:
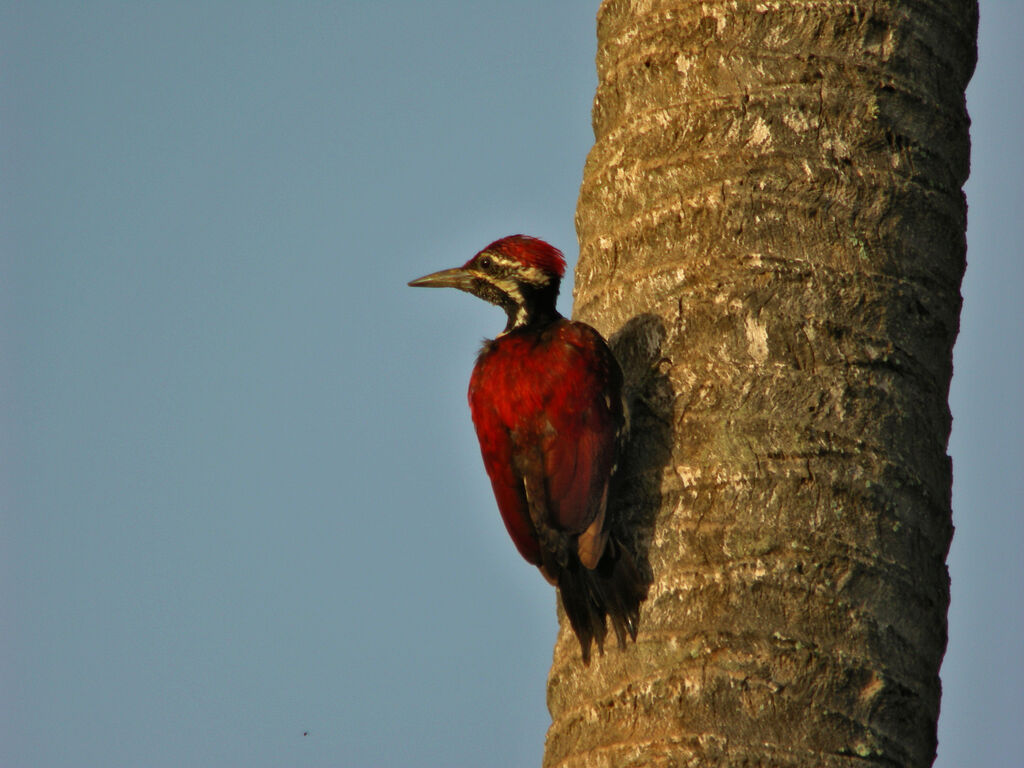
<point x="546" y="401"/>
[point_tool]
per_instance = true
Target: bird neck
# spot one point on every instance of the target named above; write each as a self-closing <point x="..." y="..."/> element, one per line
<point x="535" y="308"/>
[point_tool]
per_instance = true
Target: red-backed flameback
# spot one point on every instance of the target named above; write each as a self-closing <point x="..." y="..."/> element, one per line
<point x="546" y="400"/>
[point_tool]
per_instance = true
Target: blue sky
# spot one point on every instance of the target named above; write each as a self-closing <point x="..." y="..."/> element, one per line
<point x="241" y="498"/>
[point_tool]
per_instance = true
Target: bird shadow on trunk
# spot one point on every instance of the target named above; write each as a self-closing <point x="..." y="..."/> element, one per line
<point x="635" y="489"/>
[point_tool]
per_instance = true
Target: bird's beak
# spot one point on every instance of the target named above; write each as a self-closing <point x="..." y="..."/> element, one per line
<point x="447" y="278"/>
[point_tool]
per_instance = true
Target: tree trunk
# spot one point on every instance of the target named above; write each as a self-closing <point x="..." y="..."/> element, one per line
<point x="772" y="230"/>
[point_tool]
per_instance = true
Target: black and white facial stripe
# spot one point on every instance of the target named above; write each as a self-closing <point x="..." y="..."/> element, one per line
<point x="526" y="293"/>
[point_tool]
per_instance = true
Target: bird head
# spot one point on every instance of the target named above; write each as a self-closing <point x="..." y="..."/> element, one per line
<point x="519" y="273"/>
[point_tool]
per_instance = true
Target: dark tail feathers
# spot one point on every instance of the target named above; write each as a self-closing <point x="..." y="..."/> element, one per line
<point x="613" y="589"/>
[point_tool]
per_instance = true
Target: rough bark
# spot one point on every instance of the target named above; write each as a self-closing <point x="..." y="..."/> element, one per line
<point x="772" y="233"/>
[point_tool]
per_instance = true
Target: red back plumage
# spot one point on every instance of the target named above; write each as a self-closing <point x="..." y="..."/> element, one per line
<point x="559" y="393"/>
<point x="530" y="252"/>
<point x="548" y="410"/>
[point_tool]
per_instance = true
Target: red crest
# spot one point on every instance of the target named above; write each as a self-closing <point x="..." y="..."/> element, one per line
<point x="530" y="252"/>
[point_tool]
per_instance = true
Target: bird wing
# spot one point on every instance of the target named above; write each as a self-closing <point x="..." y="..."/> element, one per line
<point x="496" y="447"/>
<point x="547" y="413"/>
<point x="584" y="414"/>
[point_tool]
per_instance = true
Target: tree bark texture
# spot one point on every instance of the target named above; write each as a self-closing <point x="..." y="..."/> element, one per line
<point x="772" y="235"/>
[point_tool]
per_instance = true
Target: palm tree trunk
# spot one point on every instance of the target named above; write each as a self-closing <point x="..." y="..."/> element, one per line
<point x="772" y="233"/>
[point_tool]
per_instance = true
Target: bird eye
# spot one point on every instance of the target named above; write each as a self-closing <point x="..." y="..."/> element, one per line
<point x="485" y="262"/>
